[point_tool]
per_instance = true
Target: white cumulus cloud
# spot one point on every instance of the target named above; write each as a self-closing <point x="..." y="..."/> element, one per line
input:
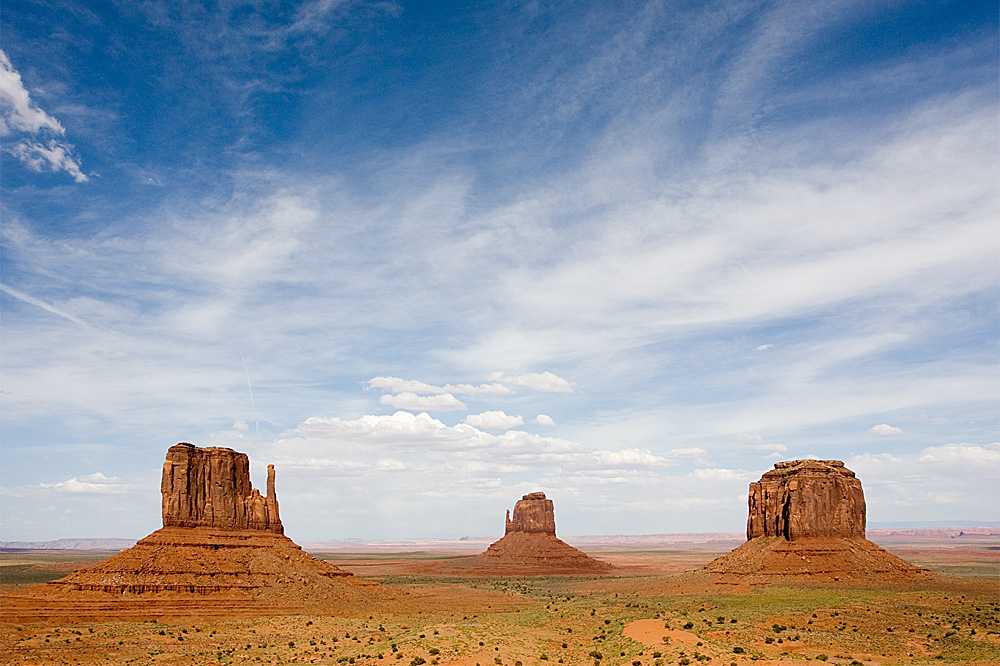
<point x="884" y="430"/>
<point x="721" y="474"/>
<point x="937" y="482"/>
<point x="398" y="385"/>
<point x="771" y="447"/>
<point x="494" y="420"/>
<point x="544" y="420"/>
<point x="545" y="382"/>
<point x="18" y="114"/>
<point x="91" y="483"/>
<point x="964" y="453"/>
<point x="444" y="402"/>
<point x="52" y="156"/>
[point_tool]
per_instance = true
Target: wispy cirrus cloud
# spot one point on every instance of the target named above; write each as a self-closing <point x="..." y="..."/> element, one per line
<point x="801" y="253"/>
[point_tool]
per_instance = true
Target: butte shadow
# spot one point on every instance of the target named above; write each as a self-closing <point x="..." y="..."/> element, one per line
<point x="222" y="551"/>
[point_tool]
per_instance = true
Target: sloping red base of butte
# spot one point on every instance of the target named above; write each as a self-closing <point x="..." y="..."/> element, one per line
<point x="813" y="559"/>
<point x="203" y="571"/>
<point x="541" y="551"/>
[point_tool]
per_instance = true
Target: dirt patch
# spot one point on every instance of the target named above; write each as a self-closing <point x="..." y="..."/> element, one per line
<point x="652" y="633"/>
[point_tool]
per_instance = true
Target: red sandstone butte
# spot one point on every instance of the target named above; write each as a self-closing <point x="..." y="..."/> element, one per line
<point x="210" y="487"/>
<point x="532" y="513"/>
<point x="807" y="498"/>
<point x="221" y="551"/>
<point x="530" y="545"/>
<point x="807" y="523"/>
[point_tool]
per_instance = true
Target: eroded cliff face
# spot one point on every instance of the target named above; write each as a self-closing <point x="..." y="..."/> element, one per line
<point x="807" y="498"/>
<point x="210" y="487"/>
<point x="530" y="546"/>
<point x="534" y="514"/>
<point x="807" y="523"/>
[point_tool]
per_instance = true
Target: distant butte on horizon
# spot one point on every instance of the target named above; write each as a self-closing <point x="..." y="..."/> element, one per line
<point x="530" y="540"/>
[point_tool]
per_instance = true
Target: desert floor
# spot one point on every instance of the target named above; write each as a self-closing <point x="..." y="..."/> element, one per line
<point x="647" y="613"/>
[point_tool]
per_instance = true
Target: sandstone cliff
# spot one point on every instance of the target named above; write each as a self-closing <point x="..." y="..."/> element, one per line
<point x="530" y="545"/>
<point x="532" y="513"/>
<point x="210" y="487"/>
<point x="221" y="551"/>
<point x="807" y="498"/>
<point x="806" y="523"/>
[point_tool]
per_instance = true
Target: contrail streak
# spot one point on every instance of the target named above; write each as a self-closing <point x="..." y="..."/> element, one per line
<point x="256" y="416"/>
<point x="43" y="305"/>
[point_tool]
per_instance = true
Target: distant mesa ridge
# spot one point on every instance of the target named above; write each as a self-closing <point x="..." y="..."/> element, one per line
<point x="806" y="522"/>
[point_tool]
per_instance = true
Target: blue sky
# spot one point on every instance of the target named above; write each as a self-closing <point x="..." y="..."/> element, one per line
<point x="427" y="257"/>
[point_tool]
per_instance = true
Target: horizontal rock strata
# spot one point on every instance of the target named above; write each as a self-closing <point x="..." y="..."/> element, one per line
<point x="533" y="513"/>
<point x="807" y="498"/>
<point x="210" y="487"/>
<point x="807" y="523"/>
<point x="221" y="551"/>
<point x="530" y="542"/>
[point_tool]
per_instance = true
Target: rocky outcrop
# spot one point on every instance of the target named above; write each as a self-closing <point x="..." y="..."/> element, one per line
<point x="807" y="523"/>
<point x="210" y="487"/>
<point x="221" y="551"/>
<point x="530" y="545"/>
<point x="532" y="513"/>
<point x="807" y="498"/>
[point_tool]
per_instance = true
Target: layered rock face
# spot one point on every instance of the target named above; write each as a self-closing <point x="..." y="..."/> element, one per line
<point x="221" y="551"/>
<point x="807" y="523"/>
<point x="210" y="487"/>
<point x="807" y="498"/>
<point x="532" y="513"/>
<point x="530" y="546"/>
